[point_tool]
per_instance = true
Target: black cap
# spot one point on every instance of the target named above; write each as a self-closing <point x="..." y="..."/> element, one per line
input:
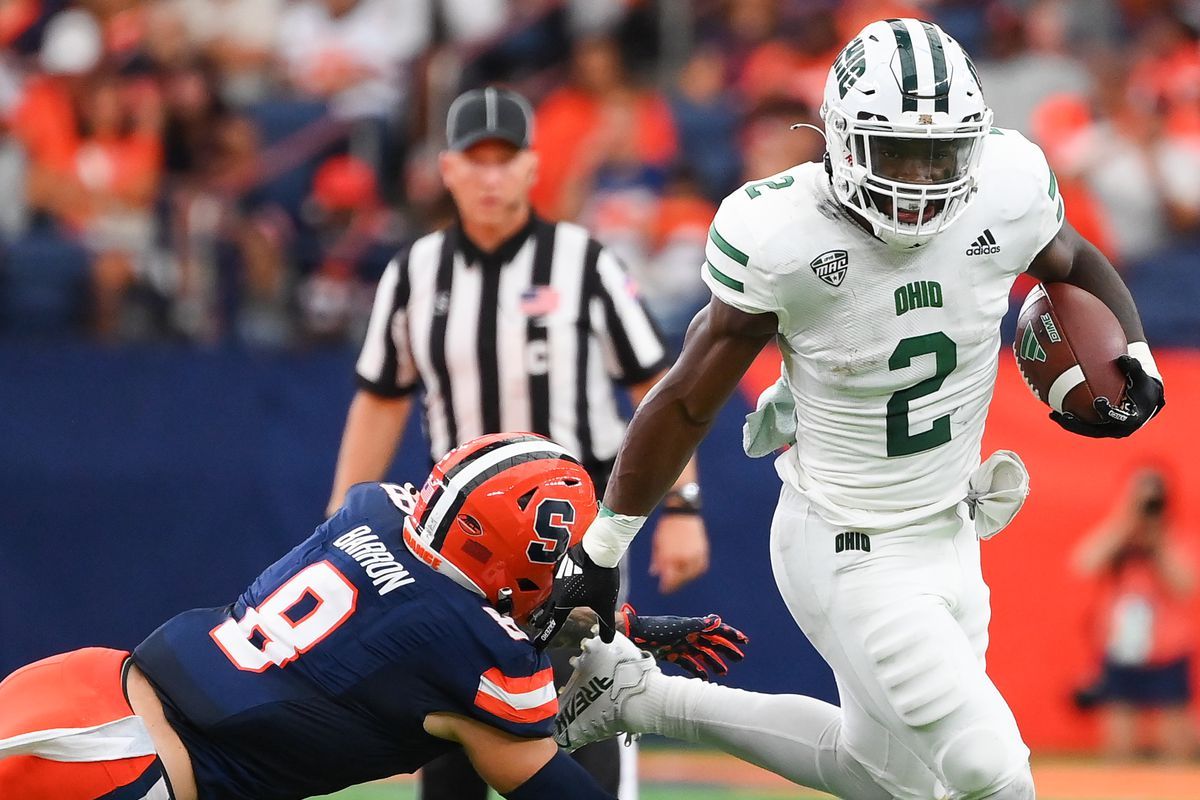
<point x="491" y="113"/>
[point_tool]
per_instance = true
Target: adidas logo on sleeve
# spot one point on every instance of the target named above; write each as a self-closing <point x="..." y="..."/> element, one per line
<point x="985" y="245"/>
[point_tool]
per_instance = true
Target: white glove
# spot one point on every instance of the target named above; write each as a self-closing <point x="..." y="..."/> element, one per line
<point x="772" y="424"/>
<point x="996" y="491"/>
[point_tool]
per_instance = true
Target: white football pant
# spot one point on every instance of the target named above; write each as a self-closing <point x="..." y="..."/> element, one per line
<point x="904" y="627"/>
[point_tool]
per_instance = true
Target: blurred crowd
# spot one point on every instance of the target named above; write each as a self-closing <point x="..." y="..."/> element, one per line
<point x="210" y="170"/>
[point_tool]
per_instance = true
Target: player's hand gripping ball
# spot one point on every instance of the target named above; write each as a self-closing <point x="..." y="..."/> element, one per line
<point x="1071" y="351"/>
<point x="700" y="645"/>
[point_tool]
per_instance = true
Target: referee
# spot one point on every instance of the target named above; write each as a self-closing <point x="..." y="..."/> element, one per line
<point x="507" y="322"/>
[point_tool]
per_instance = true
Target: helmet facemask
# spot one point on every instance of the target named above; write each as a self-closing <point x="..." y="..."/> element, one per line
<point x="908" y="181"/>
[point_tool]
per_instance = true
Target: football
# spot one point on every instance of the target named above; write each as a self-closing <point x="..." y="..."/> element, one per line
<point x="1066" y="345"/>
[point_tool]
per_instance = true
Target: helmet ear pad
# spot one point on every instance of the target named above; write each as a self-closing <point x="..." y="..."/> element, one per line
<point x="503" y="523"/>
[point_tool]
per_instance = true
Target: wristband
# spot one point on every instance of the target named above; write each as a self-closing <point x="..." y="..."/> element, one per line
<point x="609" y="536"/>
<point x="1141" y="352"/>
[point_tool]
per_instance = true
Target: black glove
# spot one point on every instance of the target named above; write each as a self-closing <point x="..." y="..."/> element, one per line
<point x="578" y="581"/>
<point x="1143" y="399"/>
<point x="697" y="644"/>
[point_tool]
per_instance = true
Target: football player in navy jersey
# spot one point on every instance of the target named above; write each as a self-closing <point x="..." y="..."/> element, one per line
<point x="387" y="638"/>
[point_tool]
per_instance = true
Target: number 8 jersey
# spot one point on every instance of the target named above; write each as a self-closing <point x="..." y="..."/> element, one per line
<point x="891" y="354"/>
<point x="321" y="674"/>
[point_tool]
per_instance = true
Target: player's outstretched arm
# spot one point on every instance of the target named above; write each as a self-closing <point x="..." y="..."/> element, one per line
<point x="669" y="423"/>
<point x="519" y="769"/>
<point x="721" y="344"/>
<point x="1070" y="258"/>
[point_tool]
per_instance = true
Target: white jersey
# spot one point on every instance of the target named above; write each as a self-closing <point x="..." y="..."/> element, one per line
<point x="891" y="355"/>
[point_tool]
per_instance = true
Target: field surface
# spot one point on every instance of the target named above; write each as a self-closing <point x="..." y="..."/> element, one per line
<point x="692" y="775"/>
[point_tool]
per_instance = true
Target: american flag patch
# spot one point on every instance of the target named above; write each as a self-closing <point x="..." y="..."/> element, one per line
<point x="538" y="301"/>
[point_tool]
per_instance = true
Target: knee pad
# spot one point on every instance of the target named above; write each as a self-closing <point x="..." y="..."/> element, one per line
<point x="983" y="764"/>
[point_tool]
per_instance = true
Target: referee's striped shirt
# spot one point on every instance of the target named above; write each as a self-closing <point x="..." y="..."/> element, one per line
<point x="528" y="338"/>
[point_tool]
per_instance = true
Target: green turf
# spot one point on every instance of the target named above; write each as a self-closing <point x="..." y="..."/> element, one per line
<point x="408" y="792"/>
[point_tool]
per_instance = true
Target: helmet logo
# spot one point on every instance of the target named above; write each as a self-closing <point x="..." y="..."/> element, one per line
<point x="550" y="528"/>
<point x="470" y="525"/>
<point x="925" y="119"/>
<point x="850" y="65"/>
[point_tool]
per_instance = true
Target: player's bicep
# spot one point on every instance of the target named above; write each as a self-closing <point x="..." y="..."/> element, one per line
<point x="721" y="343"/>
<point x="1057" y="259"/>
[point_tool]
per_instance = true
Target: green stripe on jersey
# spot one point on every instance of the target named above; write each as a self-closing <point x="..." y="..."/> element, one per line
<point x="1053" y="185"/>
<point x="737" y="286"/>
<point x="726" y="248"/>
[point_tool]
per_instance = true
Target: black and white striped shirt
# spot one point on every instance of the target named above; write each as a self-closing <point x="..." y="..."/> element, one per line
<point x="528" y="338"/>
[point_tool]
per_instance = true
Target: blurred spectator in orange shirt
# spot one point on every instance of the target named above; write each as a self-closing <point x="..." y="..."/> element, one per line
<point x="794" y="64"/>
<point x="1054" y="125"/>
<point x="1166" y="76"/>
<point x="93" y="143"/>
<point x="578" y="124"/>
<point x="1142" y="622"/>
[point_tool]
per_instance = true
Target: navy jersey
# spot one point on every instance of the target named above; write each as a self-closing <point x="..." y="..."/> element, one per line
<point x="321" y="674"/>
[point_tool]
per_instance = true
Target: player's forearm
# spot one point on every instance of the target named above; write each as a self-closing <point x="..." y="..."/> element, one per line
<point x="659" y="448"/>
<point x="374" y="426"/>
<point x="721" y="344"/>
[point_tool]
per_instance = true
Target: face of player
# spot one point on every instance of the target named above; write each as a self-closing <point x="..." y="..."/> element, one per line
<point x="490" y="182"/>
<point x="922" y="162"/>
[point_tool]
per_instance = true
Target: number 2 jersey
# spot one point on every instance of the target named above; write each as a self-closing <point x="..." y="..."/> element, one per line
<point x="321" y="674"/>
<point x="891" y="355"/>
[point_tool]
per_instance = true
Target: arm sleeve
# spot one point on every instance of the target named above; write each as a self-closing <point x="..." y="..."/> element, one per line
<point x="490" y="672"/>
<point x="631" y="340"/>
<point x="731" y="269"/>
<point x="385" y="364"/>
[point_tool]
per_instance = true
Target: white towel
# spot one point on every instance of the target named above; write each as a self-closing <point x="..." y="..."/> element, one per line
<point x="997" y="490"/>
<point x="772" y="424"/>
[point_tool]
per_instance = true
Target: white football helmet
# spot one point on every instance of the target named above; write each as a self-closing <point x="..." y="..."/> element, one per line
<point x="905" y="126"/>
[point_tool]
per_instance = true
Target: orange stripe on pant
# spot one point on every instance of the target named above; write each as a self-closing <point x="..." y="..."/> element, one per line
<point x="73" y="690"/>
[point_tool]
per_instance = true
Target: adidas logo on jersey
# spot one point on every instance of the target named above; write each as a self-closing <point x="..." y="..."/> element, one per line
<point x="985" y="245"/>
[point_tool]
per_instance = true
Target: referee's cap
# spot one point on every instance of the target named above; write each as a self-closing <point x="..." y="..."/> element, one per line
<point x="489" y="113"/>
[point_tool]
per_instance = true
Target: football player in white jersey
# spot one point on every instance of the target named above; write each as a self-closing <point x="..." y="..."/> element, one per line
<point x="883" y="275"/>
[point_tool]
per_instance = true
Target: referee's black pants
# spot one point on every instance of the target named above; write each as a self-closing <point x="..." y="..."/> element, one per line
<point x="452" y="777"/>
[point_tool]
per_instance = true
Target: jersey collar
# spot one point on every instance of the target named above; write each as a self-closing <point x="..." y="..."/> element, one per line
<point x="506" y="252"/>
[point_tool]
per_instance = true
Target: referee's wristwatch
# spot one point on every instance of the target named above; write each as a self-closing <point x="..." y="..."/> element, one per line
<point x="682" y="499"/>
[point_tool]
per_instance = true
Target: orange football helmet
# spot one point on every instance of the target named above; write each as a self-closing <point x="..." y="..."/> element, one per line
<point x="496" y="514"/>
